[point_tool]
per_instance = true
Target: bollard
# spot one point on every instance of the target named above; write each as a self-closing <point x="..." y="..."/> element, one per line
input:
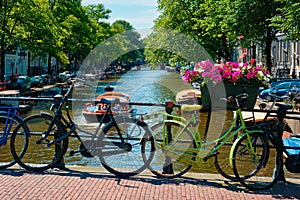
<point x="168" y="165"/>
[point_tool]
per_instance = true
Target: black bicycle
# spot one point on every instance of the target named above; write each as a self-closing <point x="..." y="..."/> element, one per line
<point x="273" y="125"/>
<point x="289" y="142"/>
<point x="123" y="143"/>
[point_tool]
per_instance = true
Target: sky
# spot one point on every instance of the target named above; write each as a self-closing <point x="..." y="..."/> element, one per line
<point x="139" y="13"/>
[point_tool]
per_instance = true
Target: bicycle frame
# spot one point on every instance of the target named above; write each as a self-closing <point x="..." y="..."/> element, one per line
<point x="11" y="113"/>
<point x="237" y="126"/>
<point x="69" y="124"/>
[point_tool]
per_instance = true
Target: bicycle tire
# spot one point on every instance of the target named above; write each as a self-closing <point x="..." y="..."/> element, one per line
<point x="6" y="157"/>
<point x="163" y="165"/>
<point x="38" y="156"/>
<point x="222" y="162"/>
<point x="256" y="173"/>
<point x="136" y="154"/>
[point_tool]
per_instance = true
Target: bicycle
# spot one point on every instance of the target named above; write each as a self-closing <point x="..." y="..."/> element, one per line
<point x="270" y="170"/>
<point x="284" y="141"/>
<point x="124" y="148"/>
<point x="9" y="119"/>
<point x="180" y="148"/>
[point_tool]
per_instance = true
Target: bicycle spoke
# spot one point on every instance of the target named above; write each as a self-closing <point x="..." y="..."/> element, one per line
<point x="255" y="163"/>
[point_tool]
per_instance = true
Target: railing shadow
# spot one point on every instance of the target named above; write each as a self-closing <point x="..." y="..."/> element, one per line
<point x="279" y="191"/>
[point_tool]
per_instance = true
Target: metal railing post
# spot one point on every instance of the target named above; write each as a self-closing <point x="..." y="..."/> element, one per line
<point x="168" y="165"/>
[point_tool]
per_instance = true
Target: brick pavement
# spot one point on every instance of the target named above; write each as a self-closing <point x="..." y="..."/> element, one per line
<point x="94" y="183"/>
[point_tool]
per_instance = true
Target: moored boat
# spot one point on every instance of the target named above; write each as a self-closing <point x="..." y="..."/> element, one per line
<point x="189" y="96"/>
<point x="23" y="106"/>
<point x="93" y="112"/>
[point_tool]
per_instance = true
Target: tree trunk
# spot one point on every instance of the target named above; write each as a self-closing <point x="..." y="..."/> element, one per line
<point x="49" y="65"/>
<point x="28" y="64"/>
<point x="253" y="52"/>
<point x="2" y="64"/>
<point x="268" y="50"/>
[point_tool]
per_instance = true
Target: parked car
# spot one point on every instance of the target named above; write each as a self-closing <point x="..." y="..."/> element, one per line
<point x="2" y="86"/>
<point x="23" y="82"/>
<point x="36" y="81"/>
<point x="277" y="81"/>
<point x="281" y="89"/>
<point x="46" y="79"/>
<point x="11" y="81"/>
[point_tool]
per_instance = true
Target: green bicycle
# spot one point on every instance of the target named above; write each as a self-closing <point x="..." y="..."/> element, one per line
<point x="179" y="147"/>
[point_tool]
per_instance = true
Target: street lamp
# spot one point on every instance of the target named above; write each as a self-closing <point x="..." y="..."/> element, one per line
<point x="12" y="73"/>
<point x="22" y="55"/>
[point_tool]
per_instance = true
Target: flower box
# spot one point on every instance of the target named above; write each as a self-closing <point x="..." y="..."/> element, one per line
<point x="210" y="92"/>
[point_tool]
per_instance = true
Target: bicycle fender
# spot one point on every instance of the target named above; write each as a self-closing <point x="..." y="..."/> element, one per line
<point x="236" y="141"/>
<point x="174" y="121"/>
<point x="46" y="114"/>
<point x="177" y="122"/>
<point x="182" y="124"/>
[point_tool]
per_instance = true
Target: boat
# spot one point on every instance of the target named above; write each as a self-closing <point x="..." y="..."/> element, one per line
<point x="93" y="112"/>
<point x="189" y="96"/>
<point x="23" y="106"/>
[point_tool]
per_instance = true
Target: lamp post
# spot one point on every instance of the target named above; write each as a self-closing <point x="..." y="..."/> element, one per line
<point x="22" y="65"/>
<point x="12" y="73"/>
<point x="294" y="61"/>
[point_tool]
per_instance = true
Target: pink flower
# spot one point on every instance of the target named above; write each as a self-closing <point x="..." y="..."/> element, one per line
<point x="229" y="72"/>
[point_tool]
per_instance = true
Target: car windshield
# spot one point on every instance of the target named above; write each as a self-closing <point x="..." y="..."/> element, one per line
<point x="296" y="84"/>
<point x="282" y="86"/>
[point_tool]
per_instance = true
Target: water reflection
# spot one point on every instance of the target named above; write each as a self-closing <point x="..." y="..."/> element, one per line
<point x="149" y="86"/>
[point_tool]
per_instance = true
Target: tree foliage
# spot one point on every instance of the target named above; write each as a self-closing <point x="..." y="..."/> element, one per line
<point x="219" y="25"/>
<point x="62" y="29"/>
<point x="288" y="18"/>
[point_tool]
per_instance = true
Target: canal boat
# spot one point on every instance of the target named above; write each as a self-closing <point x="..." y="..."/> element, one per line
<point x="189" y="96"/>
<point x="23" y="105"/>
<point x="93" y="112"/>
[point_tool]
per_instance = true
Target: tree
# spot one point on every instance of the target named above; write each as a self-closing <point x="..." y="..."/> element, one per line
<point x="130" y="42"/>
<point x="42" y="34"/>
<point x="287" y="20"/>
<point x="207" y="22"/>
<point x="217" y="25"/>
<point x="178" y="15"/>
<point x="253" y="22"/>
<point x="62" y="29"/>
<point x="11" y="19"/>
<point x="28" y="23"/>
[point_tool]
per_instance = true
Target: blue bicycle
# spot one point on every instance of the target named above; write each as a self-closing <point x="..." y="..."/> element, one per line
<point x="9" y="119"/>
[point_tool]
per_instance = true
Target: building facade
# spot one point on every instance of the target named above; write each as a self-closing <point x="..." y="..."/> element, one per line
<point x="17" y="63"/>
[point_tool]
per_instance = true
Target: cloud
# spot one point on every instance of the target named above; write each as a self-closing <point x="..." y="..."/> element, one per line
<point x="137" y="22"/>
<point x="122" y="2"/>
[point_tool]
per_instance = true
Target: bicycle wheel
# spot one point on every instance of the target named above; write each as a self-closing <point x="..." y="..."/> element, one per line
<point x="222" y="162"/>
<point x="126" y="158"/>
<point x="7" y="125"/>
<point x="38" y="156"/>
<point x="164" y="165"/>
<point x="255" y="161"/>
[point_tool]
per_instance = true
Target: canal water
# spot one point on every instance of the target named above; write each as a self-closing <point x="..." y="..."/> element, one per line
<point x="143" y="86"/>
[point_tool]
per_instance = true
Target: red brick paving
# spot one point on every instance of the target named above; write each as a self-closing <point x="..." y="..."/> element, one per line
<point x="83" y="183"/>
